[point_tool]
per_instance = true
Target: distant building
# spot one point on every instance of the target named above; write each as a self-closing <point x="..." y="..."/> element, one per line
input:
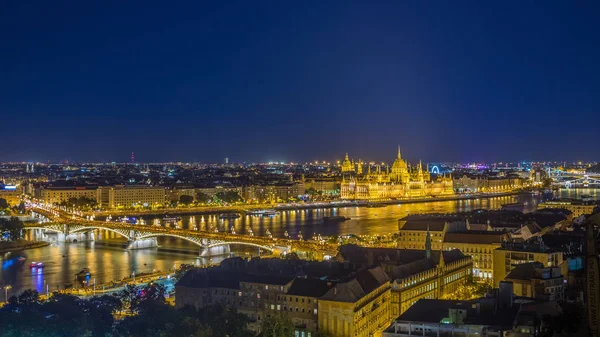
<point x="126" y="196"/>
<point x="273" y="193"/>
<point x="325" y="187"/>
<point x="577" y="207"/>
<point x="11" y="193"/>
<point x="57" y="195"/>
<point x="485" y="184"/>
<point x="401" y="182"/>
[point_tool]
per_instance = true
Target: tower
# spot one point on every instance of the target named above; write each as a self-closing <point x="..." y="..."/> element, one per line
<point x="400" y="170"/>
<point x="428" y="244"/>
<point x="347" y="165"/>
<point x="132" y="158"/>
<point x="592" y="273"/>
<point x="359" y="168"/>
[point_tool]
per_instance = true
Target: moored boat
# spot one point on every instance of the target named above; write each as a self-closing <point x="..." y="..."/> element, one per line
<point x="337" y="218"/>
<point x="229" y="216"/>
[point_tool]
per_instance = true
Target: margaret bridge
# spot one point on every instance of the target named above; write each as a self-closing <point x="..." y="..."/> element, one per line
<point x="141" y="236"/>
<point x="566" y="179"/>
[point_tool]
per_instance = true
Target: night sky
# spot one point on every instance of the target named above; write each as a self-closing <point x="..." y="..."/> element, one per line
<point x="299" y="80"/>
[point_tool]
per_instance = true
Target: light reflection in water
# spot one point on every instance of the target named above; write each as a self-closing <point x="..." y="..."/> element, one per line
<point x="108" y="263"/>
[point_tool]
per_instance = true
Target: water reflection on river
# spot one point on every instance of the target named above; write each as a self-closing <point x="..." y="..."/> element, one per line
<point x="63" y="261"/>
<point x="363" y="220"/>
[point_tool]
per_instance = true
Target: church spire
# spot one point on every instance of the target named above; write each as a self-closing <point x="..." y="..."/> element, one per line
<point x="399" y="154"/>
<point x="346" y="156"/>
<point x="428" y="243"/>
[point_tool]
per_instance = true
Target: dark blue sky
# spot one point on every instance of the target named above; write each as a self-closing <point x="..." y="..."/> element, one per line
<point x="299" y="80"/>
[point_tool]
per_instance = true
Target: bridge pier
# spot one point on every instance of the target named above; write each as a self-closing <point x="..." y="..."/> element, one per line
<point x="281" y="250"/>
<point x="220" y="250"/>
<point x="76" y="237"/>
<point x="142" y="244"/>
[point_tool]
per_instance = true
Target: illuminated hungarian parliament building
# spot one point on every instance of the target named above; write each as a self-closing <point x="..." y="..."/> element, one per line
<point x="402" y="182"/>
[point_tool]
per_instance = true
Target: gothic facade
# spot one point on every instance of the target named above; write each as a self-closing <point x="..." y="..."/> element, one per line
<point x="401" y="182"/>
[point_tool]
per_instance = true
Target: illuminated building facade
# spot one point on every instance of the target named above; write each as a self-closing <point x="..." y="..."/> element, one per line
<point x="415" y="274"/>
<point x="401" y="182"/>
<point x="473" y="184"/>
<point x="329" y="297"/>
<point x="359" y="307"/>
<point x="448" y="232"/>
<point x="123" y="196"/>
<point x="577" y="207"/>
<point x="10" y="193"/>
<point x="57" y="195"/>
<point x="511" y="255"/>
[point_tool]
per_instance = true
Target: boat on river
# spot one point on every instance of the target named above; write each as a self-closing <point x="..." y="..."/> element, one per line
<point x="36" y="265"/>
<point x="331" y="219"/>
<point x="171" y="218"/>
<point x="263" y="212"/>
<point x="229" y="216"/>
<point x="83" y="274"/>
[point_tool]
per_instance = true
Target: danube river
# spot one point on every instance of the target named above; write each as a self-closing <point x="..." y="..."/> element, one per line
<point x="63" y="261"/>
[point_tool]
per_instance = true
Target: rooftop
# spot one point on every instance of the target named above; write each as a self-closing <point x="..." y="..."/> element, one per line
<point x="434" y="311"/>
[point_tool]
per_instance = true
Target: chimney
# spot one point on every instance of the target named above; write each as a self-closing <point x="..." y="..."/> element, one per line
<point x="505" y="295"/>
<point x="370" y="258"/>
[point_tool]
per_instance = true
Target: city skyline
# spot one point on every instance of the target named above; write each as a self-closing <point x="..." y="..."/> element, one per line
<point x="282" y="82"/>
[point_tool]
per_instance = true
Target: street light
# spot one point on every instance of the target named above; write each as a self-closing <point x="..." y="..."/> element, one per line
<point x="6" y="289"/>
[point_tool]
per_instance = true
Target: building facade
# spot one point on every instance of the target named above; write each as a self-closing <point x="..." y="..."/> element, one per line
<point x="57" y="195"/>
<point x="401" y="182"/>
<point x="273" y="193"/>
<point x="125" y="196"/>
<point x="577" y="207"/>
<point x="359" y="307"/>
<point x="448" y="232"/>
<point x="11" y="193"/>
<point x="510" y="256"/>
<point x="537" y="281"/>
<point x="415" y="274"/>
<point x="474" y="184"/>
<point x="327" y="298"/>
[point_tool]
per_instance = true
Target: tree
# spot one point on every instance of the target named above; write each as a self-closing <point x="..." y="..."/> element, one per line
<point x="3" y="204"/>
<point x="277" y="325"/>
<point x="12" y="228"/>
<point x="203" y="198"/>
<point x="547" y="182"/>
<point x="228" y="196"/>
<point x="186" y="199"/>
<point x="291" y="256"/>
<point x="128" y="297"/>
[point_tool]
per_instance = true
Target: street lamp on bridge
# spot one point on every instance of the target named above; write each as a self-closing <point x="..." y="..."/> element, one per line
<point x="6" y="289"/>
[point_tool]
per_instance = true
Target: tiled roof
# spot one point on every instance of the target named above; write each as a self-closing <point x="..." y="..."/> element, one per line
<point x="433" y="311"/>
<point x="309" y="287"/>
<point x="361" y="284"/>
<point x="524" y="271"/>
<point x="482" y="237"/>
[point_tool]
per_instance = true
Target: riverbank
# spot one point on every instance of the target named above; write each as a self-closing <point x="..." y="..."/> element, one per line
<point x="20" y="245"/>
<point x="200" y="210"/>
